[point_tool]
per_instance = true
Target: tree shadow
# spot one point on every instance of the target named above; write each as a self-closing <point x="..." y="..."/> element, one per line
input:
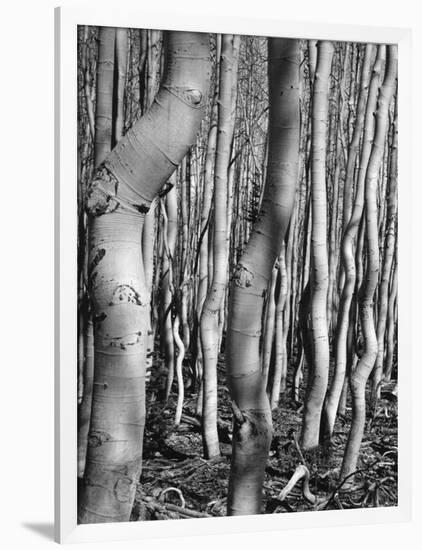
<point x="46" y="530"/>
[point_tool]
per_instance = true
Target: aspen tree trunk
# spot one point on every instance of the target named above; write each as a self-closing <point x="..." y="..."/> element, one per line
<point x="85" y="334"/>
<point x="204" y="237"/>
<point x="87" y="85"/>
<point x="252" y="424"/>
<point x="148" y="241"/>
<point x="105" y="85"/>
<point x="268" y="332"/>
<point x="102" y="146"/>
<point x="169" y="212"/>
<point x="212" y="304"/>
<point x="121" y="62"/>
<point x="280" y="353"/>
<point x="120" y="195"/>
<point x="312" y="59"/>
<point x="353" y="150"/>
<point x="391" y="326"/>
<point x="390" y="241"/>
<point x="84" y="409"/>
<point x="153" y="46"/>
<point x="179" y="374"/>
<point x="318" y="371"/>
<point x="364" y="119"/>
<point x="366" y="363"/>
<point x="303" y="309"/>
<point x="185" y="216"/>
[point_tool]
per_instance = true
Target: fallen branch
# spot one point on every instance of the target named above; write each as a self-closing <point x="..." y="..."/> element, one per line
<point x="175" y="490"/>
<point x="300" y="472"/>
<point x="165" y="508"/>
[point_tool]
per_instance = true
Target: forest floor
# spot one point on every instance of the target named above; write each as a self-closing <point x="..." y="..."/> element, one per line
<point x="177" y="482"/>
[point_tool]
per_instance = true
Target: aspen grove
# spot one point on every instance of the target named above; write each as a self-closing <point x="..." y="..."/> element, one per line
<point x="237" y="275"/>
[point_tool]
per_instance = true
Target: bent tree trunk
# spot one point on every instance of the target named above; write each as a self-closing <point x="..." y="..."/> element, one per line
<point x="318" y="370"/>
<point x="120" y="195"/>
<point x="253" y="426"/>
<point x="366" y="363"/>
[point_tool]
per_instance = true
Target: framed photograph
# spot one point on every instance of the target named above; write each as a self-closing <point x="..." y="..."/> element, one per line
<point x="232" y="208"/>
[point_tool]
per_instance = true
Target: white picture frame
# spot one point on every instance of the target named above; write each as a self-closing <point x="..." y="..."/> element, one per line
<point x="66" y="21"/>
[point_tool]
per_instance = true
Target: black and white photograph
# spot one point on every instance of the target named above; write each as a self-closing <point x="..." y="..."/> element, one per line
<point x="237" y="275"/>
<point x="211" y="271"/>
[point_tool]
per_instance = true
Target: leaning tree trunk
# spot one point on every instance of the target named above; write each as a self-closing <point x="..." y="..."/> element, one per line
<point x="366" y="363"/>
<point x="253" y="426"/>
<point x="318" y="370"/>
<point x="120" y="195"/>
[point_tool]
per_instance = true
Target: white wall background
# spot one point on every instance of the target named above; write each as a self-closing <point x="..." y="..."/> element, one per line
<point x="26" y="270"/>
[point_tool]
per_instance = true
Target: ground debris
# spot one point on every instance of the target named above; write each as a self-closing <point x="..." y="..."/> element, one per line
<point x="173" y="458"/>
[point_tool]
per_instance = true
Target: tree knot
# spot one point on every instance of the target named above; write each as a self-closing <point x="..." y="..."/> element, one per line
<point x="101" y="194"/>
<point x="242" y="277"/>
<point x="191" y="96"/>
<point x="98" y="438"/>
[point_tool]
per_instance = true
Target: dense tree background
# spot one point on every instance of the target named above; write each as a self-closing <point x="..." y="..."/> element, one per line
<point x="345" y="205"/>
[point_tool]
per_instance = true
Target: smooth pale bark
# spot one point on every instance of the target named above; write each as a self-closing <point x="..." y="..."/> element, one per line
<point x="366" y="363"/>
<point x="364" y="120"/>
<point x="104" y="102"/>
<point x="213" y="301"/>
<point x="102" y="146"/>
<point x="253" y="426"/>
<point x="338" y="159"/>
<point x="353" y="150"/>
<point x="118" y="408"/>
<point x="203" y="250"/>
<point x="122" y="190"/>
<point x="268" y="333"/>
<point x="304" y="305"/>
<point x="280" y="352"/>
<point x="184" y="260"/>
<point x="148" y="241"/>
<point x="390" y="243"/>
<point x="204" y="230"/>
<point x="180" y="354"/>
<point x="169" y="213"/>
<point x="334" y="166"/>
<point x="290" y="283"/>
<point x="333" y="245"/>
<point x="318" y="371"/>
